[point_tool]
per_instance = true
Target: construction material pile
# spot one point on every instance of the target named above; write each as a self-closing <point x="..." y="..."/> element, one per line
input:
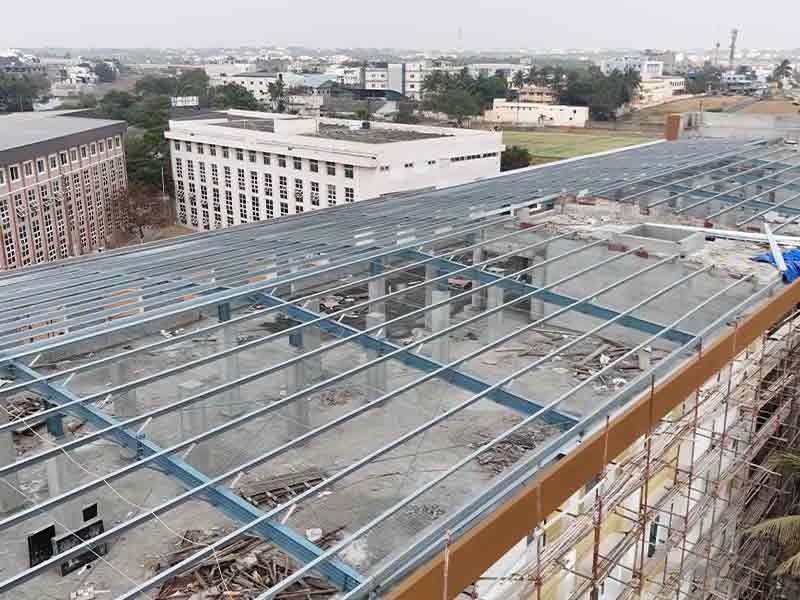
<point x="243" y="571"/>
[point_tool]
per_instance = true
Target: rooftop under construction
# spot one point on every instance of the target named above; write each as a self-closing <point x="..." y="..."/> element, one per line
<point x="466" y="390"/>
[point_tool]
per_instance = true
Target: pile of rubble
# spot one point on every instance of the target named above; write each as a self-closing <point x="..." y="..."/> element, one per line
<point x="506" y="453"/>
<point x="242" y="571"/>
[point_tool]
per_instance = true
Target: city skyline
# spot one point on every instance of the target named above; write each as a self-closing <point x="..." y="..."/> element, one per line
<point x="681" y="24"/>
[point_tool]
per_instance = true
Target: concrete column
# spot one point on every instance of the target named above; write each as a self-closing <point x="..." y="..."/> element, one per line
<point x="10" y="498"/>
<point x="376" y="375"/>
<point x="538" y="279"/>
<point x="494" y="323"/>
<point x="60" y="478"/>
<point x="231" y="401"/>
<point x="430" y="273"/>
<point x="125" y="403"/>
<point x="478" y="299"/>
<point x="312" y="339"/>
<point x="644" y="360"/>
<point x="299" y="418"/>
<point x="440" y="318"/>
<point x="193" y="421"/>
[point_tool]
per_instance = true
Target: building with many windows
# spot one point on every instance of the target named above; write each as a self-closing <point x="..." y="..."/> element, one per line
<point x="61" y="180"/>
<point x="240" y="166"/>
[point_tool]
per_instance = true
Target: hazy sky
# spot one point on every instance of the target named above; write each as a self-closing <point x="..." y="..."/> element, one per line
<point x="408" y="23"/>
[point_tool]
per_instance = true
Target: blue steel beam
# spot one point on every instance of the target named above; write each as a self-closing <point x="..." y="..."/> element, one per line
<point x="593" y="310"/>
<point x="238" y="509"/>
<point x="453" y="376"/>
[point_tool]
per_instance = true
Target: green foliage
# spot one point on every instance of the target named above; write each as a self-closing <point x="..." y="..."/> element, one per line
<point x="151" y="112"/>
<point x="603" y="94"/>
<point x="144" y="166"/>
<point x="233" y="95"/>
<point x="116" y="105"/>
<point x="462" y="95"/>
<point x="405" y="117"/>
<point x="515" y="157"/>
<point x="362" y="114"/>
<point x="277" y="95"/>
<point x="782" y="71"/>
<point x="17" y="93"/>
<point x="700" y="81"/>
<point x="105" y="73"/>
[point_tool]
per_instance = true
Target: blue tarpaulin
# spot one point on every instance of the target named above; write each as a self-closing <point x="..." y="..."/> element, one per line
<point x="790" y="257"/>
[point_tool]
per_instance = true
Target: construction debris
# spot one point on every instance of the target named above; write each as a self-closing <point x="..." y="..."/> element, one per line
<point x="430" y="512"/>
<point x="280" y="489"/>
<point x="243" y="571"/>
<point x="509" y="451"/>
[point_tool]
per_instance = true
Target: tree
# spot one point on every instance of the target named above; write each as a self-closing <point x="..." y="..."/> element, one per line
<point x="459" y="104"/>
<point x="405" y="117"/>
<point x="18" y="92"/>
<point x="277" y="95"/>
<point x="116" y="105"/>
<point x="518" y="80"/>
<point x="233" y="95"/>
<point x="786" y="528"/>
<point x="782" y="71"/>
<point x="515" y="157"/>
<point x="104" y="72"/>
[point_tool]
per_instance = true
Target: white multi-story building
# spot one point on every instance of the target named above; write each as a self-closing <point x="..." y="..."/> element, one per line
<point x="61" y="183"/>
<point x="646" y="68"/>
<point x="243" y="166"/>
<point x="258" y="83"/>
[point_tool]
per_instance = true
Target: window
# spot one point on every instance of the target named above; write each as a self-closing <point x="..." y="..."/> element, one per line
<point x="281" y="161"/>
<point x="177" y="144"/>
<point x="313" y="166"/>
<point x="268" y="185"/>
<point x="243" y="208"/>
<point x="188" y="146"/>
<point x="101" y="146"/>
<point x="202" y="167"/>
<point x="409" y="165"/>
<point x="349" y="195"/>
<point x="331" y="168"/>
<point x="73" y="155"/>
<point x="253" y="182"/>
<point x="348" y="171"/>
<point x="62" y="157"/>
<point x="93" y="149"/>
<point x="431" y="163"/>
<point x="298" y="190"/>
<point x="283" y="188"/>
<point x="84" y="153"/>
<point x="314" y="193"/>
<point x="13" y="173"/>
<point x="284" y="209"/>
<point x="266" y="158"/>
<point x="53" y="162"/>
<point x="179" y="168"/>
<point x="227" y="177"/>
<point x="651" y="546"/>
<point x="331" y="195"/>
<point x="252" y="156"/>
<point x="117" y="141"/>
<point x="190" y="169"/>
<point x="270" y="209"/>
<point x="298" y="163"/>
<point x="212" y="149"/>
<point x="28" y="168"/>
<point x="239" y="154"/>
<point x="225" y="152"/>
<point x="2" y="176"/>
<point x="240" y="178"/>
<point x="214" y="175"/>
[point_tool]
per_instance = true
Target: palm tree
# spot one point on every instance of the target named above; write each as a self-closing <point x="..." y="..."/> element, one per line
<point x="786" y="528"/>
<point x="518" y="80"/>
<point x="277" y="92"/>
<point x="632" y="80"/>
<point x="782" y="71"/>
<point x="532" y="76"/>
